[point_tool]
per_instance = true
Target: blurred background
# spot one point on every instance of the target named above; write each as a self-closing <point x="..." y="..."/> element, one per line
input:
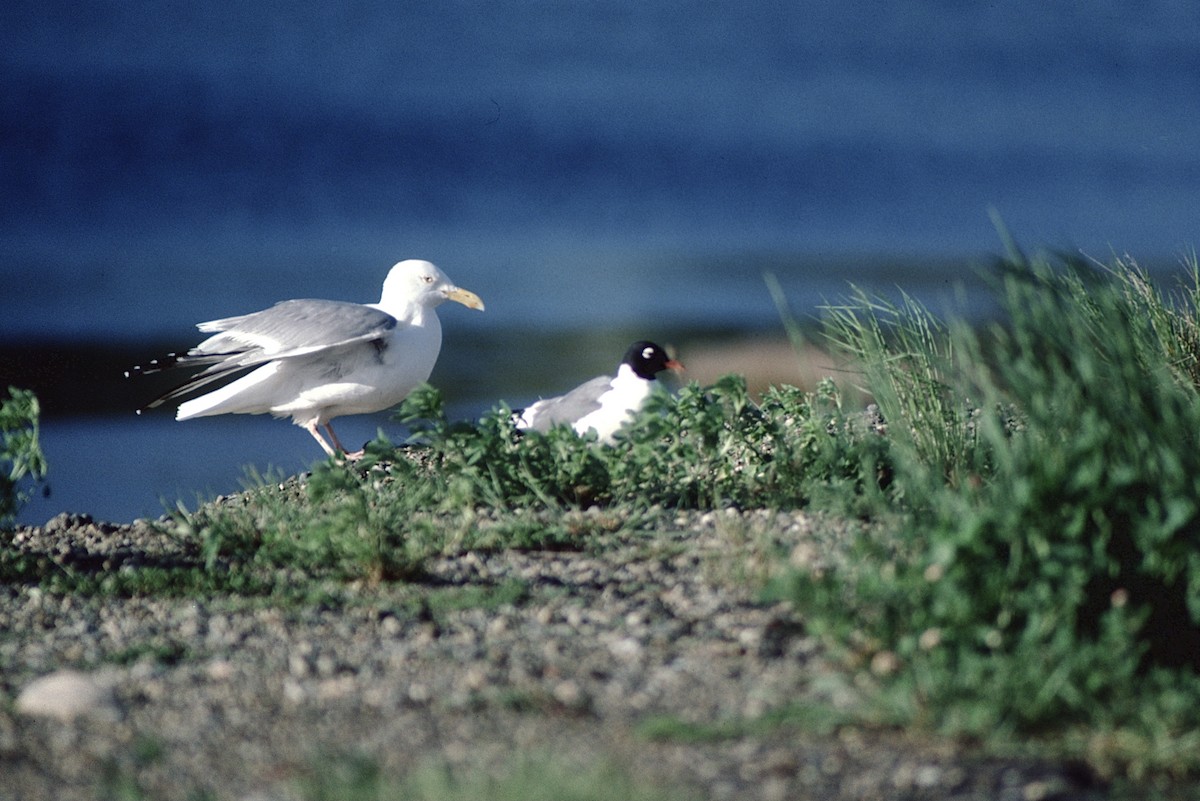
<point x="596" y="171"/>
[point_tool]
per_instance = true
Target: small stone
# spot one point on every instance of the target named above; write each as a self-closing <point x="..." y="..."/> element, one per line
<point x="297" y="666"/>
<point x="293" y="692"/>
<point x="927" y="776"/>
<point x="1036" y="791"/>
<point x="568" y="693"/>
<point x="930" y="639"/>
<point x="884" y="663"/>
<point x="220" y="670"/>
<point x="625" y="648"/>
<point x="774" y="789"/>
<point x="65" y="695"/>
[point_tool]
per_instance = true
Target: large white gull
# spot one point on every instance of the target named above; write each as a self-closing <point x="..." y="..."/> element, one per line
<point x="314" y="360"/>
<point x="605" y="403"/>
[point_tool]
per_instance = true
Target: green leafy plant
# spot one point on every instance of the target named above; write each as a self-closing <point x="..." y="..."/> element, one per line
<point x="21" y="458"/>
<point x="702" y="448"/>
<point x="1048" y="572"/>
<point x="714" y="447"/>
<point x="459" y="484"/>
<point x="490" y="463"/>
<point x="341" y="524"/>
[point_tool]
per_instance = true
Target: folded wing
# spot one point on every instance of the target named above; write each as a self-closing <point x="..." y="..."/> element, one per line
<point x="291" y="329"/>
<point x="565" y="409"/>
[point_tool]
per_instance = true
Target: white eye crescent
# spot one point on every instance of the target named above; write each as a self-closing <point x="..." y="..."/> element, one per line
<point x="647" y="353"/>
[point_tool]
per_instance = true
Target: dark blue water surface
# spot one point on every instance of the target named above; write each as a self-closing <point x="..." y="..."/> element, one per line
<point x="583" y="166"/>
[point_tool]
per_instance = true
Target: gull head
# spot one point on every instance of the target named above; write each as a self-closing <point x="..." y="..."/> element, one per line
<point x="420" y="282"/>
<point x="647" y="360"/>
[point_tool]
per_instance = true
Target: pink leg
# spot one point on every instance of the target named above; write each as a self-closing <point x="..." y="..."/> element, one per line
<point x="351" y="456"/>
<point x="311" y="427"/>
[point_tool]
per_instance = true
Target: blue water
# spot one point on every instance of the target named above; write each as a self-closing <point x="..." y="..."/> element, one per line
<point x="582" y="166"/>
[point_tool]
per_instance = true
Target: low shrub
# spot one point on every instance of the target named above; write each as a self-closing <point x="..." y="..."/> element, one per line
<point x="1048" y="572"/>
<point x="703" y="448"/>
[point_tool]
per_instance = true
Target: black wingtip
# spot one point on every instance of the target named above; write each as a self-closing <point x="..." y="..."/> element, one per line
<point x="154" y="365"/>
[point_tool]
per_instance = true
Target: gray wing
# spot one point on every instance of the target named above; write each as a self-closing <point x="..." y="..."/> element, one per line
<point x="295" y="328"/>
<point x="288" y="330"/>
<point x="566" y="409"/>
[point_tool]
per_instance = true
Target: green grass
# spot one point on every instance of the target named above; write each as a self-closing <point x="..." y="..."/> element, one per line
<point x="474" y="596"/>
<point x="535" y="777"/>
<point x="809" y="717"/>
<point x="356" y="777"/>
<point x="1046" y="581"/>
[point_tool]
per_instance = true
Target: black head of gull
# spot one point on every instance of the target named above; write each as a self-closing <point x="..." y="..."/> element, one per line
<point x="605" y="403"/>
<point x="314" y="360"/>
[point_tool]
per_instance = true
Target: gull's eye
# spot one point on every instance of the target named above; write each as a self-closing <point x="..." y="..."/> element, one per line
<point x="427" y="279"/>
<point x="648" y="353"/>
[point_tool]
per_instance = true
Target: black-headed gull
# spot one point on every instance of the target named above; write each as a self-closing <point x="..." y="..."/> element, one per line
<point x="605" y="403"/>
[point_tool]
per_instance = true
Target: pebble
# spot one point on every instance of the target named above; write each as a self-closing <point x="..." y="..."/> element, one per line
<point x="655" y="623"/>
<point x="66" y="695"/>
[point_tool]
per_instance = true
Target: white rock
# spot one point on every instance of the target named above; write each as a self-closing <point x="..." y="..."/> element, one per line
<point x="65" y="694"/>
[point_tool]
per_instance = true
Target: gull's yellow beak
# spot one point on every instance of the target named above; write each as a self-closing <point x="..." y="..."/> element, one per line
<point x="465" y="297"/>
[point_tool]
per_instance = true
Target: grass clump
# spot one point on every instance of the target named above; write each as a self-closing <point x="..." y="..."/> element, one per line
<point x="713" y="448"/>
<point x="490" y="464"/>
<point x="1047" y="577"/>
<point x="532" y="777"/>
<point x="340" y="524"/>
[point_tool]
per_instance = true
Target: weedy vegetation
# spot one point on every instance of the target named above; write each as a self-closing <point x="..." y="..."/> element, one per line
<point x="21" y="459"/>
<point x="1044" y="586"/>
<point x="1036" y="586"/>
<point x="346" y="778"/>
<point x="461" y="485"/>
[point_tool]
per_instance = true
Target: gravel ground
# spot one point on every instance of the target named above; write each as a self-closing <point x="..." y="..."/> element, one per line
<point x="234" y="698"/>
